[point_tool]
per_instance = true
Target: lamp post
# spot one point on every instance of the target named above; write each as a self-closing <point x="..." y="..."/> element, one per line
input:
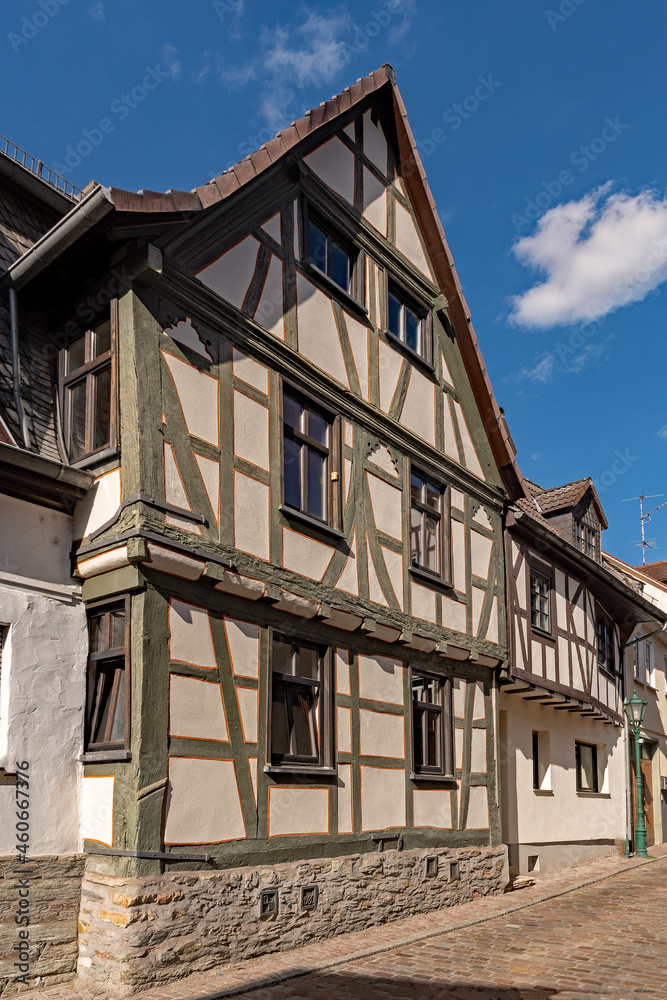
<point x="634" y="710"/>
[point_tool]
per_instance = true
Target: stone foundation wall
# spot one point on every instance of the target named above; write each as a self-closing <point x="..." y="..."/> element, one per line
<point x="47" y="891"/>
<point x="152" y="930"/>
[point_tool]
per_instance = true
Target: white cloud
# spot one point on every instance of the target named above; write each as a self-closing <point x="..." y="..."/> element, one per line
<point x="599" y="254"/>
<point x="398" y="31"/>
<point x="170" y="56"/>
<point x="662" y="433"/>
<point x="313" y="52"/>
<point x="562" y="359"/>
<point x="96" y="11"/>
<point x="236" y="77"/>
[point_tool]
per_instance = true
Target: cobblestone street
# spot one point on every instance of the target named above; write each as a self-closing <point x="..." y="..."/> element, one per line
<point x="596" y="930"/>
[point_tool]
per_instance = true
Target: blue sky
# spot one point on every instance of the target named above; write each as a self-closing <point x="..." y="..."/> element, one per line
<point x="551" y="182"/>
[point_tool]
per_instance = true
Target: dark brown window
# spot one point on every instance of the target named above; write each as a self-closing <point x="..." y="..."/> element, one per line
<point x="586" y="539"/>
<point x="587" y="766"/>
<point x="308" y="457"/>
<point x="300" y="703"/>
<point x="428" y="526"/>
<point x="431" y="724"/>
<point x="87" y="392"/>
<point x="540" y="591"/>
<point x="605" y="636"/>
<point x="408" y="321"/>
<point x="107" y="696"/>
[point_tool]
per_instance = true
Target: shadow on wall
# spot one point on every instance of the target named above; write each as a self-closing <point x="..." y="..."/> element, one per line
<point x="344" y="986"/>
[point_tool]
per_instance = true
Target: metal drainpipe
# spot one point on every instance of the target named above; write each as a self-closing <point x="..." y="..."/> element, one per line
<point x="629" y="831"/>
<point x="16" y="367"/>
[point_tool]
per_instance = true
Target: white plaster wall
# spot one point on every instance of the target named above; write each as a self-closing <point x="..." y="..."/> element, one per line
<point x="564" y="816"/>
<point x="43" y="677"/>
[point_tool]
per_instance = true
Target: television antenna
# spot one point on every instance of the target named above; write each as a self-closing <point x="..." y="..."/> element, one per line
<point x="646" y="543"/>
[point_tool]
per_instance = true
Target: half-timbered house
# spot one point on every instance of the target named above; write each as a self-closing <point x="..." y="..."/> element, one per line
<point x="570" y="612"/>
<point x="292" y="557"/>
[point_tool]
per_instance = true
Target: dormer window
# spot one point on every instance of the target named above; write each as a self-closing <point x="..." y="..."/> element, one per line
<point x="586" y="539"/>
<point x="87" y="396"/>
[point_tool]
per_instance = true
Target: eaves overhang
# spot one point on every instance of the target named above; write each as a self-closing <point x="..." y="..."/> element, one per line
<point x="41" y="480"/>
<point x="629" y="607"/>
<point x="90" y="210"/>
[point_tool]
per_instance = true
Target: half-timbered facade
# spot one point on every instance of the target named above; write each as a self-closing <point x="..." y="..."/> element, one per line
<point x="292" y="557"/>
<point x="561" y="710"/>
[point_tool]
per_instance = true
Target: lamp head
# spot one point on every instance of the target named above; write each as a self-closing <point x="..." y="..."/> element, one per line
<point x="634" y="709"/>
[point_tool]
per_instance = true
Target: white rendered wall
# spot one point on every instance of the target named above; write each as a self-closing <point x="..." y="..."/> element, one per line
<point x="564" y="817"/>
<point x="42" y="690"/>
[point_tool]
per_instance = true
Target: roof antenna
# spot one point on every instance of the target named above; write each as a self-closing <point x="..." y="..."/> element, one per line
<point x="646" y="543"/>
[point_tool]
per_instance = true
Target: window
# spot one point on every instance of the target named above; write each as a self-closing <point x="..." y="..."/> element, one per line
<point x="541" y="765"/>
<point x="605" y="633"/>
<point x="635" y="658"/>
<point x="300" y="703"/>
<point x="407" y="321"/>
<point x="540" y="590"/>
<point x="648" y="664"/>
<point x="428" y="548"/>
<point x="431" y="725"/>
<point x="331" y="253"/>
<point x="586" y="539"/>
<point x="309" y="451"/>
<point x="586" y="755"/>
<point x="107" y="703"/>
<point x="86" y="387"/>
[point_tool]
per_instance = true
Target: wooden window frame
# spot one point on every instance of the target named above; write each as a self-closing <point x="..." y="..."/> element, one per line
<point x="444" y="549"/>
<point x="288" y="764"/>
<point x="92" y="676"/>
<point x="393" y="286"/>
<point x="601" y="618"/>
<point x="545" y="575"/>
<point x="586" y="539"/>
<point x="445" y="711"/>
<point x="333" y="494"/>
<point x="87" y="372"/>
<point x="310" y="212"/>
<point x="578" y="769"/>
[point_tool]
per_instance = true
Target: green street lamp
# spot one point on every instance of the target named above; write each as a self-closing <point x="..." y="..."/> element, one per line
<point x="634" y="710"/>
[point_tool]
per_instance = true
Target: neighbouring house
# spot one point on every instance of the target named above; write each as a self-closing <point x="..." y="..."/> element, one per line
<point x="646" y="673"/>
<point x="292" y="555"/>
<point x="43" y="633"/>
<point x="563" y="752"/>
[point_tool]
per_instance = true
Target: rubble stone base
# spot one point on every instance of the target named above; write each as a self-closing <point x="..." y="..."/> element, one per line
<point x="46" y="891"/>
<point x="144" y="932"/>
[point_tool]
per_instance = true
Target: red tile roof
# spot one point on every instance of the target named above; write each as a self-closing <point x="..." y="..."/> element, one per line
<point x="561" y="497"/>
<point x="656" y="570"/>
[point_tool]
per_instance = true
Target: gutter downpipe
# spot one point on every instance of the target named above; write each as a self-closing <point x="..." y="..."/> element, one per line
<point x="16" y="368"/>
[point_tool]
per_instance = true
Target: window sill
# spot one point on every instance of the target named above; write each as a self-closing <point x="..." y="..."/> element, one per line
<point x="543" y="791"/>
<point x="308" y="770"/>
<point x="593" y="795"/>
<point x="441" y="779"/>
<point x="432" y="578"/>
<point x="104" y="756"/>
<point x="97" y="456"/>
<point x="292" y="514"/>
<point x="333" y="287"/>
<point x="410" y="354"/>
<point x="541" y="634"/>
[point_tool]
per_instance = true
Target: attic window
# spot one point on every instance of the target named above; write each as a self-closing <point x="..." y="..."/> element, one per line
<point x="407" y="321"/>
<point x="586" y="539"/>
<point x="333" y="254"/>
